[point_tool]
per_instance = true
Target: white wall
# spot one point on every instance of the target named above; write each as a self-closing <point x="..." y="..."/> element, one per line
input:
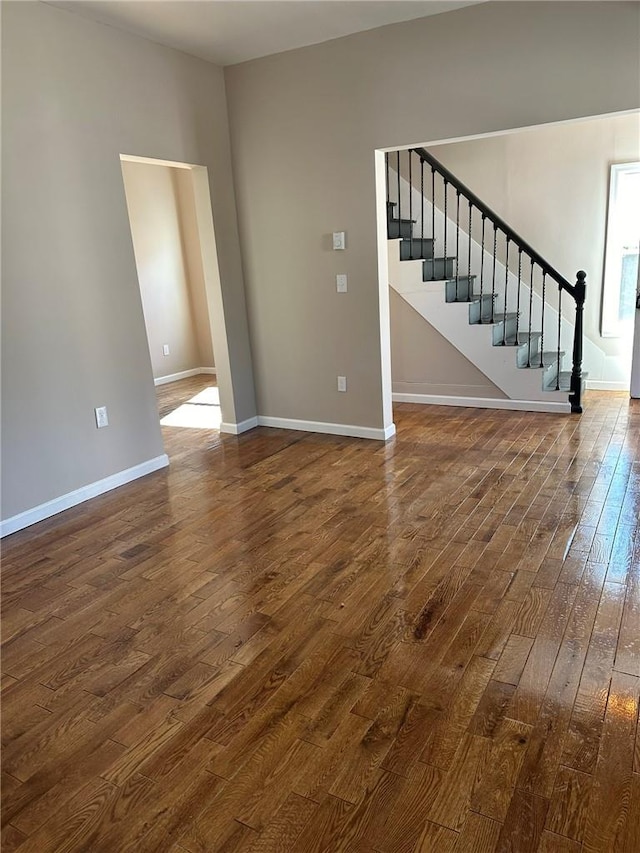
<point x="304" y="128"/>
<point x="173" y="301"/>
<point x="76" y="95"/>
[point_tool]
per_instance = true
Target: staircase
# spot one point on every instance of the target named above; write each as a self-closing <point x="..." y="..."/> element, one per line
<point x="454" y="250"/>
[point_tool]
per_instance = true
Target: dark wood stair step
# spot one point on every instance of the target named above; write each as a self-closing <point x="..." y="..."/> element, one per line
<point x="563" y="380"/>
<point x="521" y="339"/>
<point x="437" y="269"/>
<point x="481" y="307"/>
<point x="400" y="228"/>
<point x="548" y="362"/>
<point x="460" y="290"/>
<point x="416" y="249"/>
<point x="501" y="325"/>
<point x="526" y="345"/>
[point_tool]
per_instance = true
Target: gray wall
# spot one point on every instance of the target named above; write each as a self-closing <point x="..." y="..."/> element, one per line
<point x="76" y="95"/>
<point x="304" y="126"/>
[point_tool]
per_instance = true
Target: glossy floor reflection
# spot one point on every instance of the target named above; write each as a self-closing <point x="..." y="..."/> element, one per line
<point x="294" y="642"/>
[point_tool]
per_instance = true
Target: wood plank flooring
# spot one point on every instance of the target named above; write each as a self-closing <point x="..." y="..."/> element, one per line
<point x="294" y="642"/>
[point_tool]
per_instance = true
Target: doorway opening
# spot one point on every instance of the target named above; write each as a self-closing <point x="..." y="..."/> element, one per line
<point x="568" y="161"/>
<point x="621" y="282"/>
<point x="167" y="230"/>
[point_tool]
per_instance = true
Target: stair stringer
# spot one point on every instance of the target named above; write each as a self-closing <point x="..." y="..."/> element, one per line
<point x="594" y="358"/>
<point x="474" y="341"/>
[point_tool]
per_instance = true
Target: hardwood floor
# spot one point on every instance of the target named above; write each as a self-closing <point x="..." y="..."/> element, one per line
<point x="295" y="642"/>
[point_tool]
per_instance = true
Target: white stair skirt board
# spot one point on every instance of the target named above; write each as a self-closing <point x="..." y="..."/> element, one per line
<point x="85" y="493"/>
<point x="184" y="374"/>
<point x="484" y="403"/>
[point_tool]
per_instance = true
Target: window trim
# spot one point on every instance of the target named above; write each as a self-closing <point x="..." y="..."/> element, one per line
<point x="610" y="324"/>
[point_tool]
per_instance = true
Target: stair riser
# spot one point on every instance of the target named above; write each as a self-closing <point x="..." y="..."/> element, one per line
<point x="437" y="269"/>
<point x="547" y="364"/>
<point x="499" y="330"/>
<point x="565" y="382"/>
<point x="403" y="230"/>
<point x="481" y="310"/>
<point x="525" y="356"/>
<point x="416" y="249"/>
<point x="549" y="373"/>
<point x="460" y="292"/>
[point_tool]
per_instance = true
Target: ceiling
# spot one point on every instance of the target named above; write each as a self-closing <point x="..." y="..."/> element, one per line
<point x="230" y="31"/>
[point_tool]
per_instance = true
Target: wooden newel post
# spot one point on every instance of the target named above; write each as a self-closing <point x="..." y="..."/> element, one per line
<point x="575" y="397"/>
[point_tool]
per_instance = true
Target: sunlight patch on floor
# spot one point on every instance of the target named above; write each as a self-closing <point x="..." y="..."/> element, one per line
<point x="207" y="397"/>
<point x="200" y="412"/>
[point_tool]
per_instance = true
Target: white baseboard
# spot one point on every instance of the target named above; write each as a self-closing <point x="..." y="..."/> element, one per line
<point x="483" y="403"/>
<point x="596" y="385"/>
<point x="310" y="426"/>
<point x="85" y="493"/>
<point x="242" y="426"/>
<point x="382" y="434"/>
<point x="389" y="432"/>
<point x="184" y="374"/>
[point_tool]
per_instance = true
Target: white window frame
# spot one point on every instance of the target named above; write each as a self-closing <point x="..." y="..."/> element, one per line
<point x="611" y="326"/>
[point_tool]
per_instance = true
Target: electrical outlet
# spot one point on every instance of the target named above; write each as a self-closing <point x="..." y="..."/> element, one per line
<point x="165" y="349"/>
<point x="341" y="283"/>
<point x="102" y="419"/>
<point x="342" y="383"/>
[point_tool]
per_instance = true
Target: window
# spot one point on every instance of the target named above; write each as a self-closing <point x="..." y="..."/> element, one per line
<point x="623" y="247"/>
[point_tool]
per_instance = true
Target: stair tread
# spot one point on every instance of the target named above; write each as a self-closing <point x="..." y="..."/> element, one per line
<point x="548" y="358"/>
<point x="521" y="339"/>
<point x="393" y="221"/>
<point x="478" y="297"/>
<point x="475" y="298"/>
<point x="564" y="381"/>
<point x="499" y="318"/>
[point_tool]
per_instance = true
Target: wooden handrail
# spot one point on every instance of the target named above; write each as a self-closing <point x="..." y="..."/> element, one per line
<point x="486" y="211"/>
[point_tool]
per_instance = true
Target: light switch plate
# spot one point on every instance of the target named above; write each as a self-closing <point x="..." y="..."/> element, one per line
<point x="341" y="283"/>
<point x="339" y="240"/>
<point x="342" y="383"/>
